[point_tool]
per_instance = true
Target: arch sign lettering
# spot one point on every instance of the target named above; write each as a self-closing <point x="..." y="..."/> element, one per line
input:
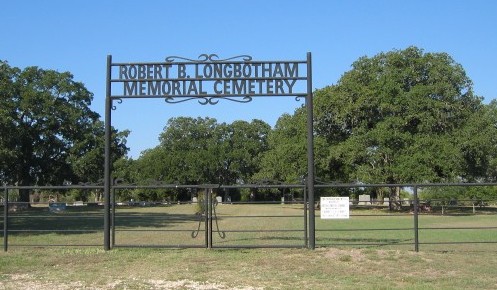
<point x="208" y="80"/>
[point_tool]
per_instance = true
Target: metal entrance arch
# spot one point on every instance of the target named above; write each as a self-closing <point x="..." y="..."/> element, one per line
<point x="208" y="80"/>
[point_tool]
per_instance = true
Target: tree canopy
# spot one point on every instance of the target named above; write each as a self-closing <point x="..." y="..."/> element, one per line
<point x="201" y="150"/>
<point x="400" y="117"/>
<point x="404" y="116"/>
<point x="48" y="133"/>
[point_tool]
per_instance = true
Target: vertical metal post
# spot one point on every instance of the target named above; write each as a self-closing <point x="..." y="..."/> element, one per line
<point x="209" y="213"/>
<point x="113" y="217"/>
<point x="5" y="218"/>
<point x="107" y="173"/>
<point x="416" y="225"/>
<point x="206" y="216"/>
<point x="306" y="232"/>
<point x="310" y="154"/>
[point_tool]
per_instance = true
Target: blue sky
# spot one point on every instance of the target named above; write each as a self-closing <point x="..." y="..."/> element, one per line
<point x="76" y="36"/>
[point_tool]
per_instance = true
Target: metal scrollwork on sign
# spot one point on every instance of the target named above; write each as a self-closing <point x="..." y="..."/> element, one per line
<point x="208" y="58"/>
<point x="201" y="100"/>
<point x="246" y="99"/>
<point x="298" y="98"/>
<point x="119" y="101"/>
<point x="207" y="100"/>
<point x="171" y="100"/>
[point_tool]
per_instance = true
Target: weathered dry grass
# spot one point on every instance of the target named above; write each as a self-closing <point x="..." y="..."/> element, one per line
<point x="324" y="268"/>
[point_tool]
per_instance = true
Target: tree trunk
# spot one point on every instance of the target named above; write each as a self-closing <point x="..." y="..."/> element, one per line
<point x="394" y="203"/>
<point x="24" y="195"/>
<point x="23" y="178"/>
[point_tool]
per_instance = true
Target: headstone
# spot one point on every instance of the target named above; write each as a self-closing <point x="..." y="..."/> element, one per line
<point x="219" y="199"/>
<point x="57" y="206"/>
<point x="194" y="199"/>
<point x="364" y="199"/>
<point x="386" y="201"/>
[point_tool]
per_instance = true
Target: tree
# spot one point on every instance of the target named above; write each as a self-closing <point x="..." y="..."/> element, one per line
<point x="478" y="143"/>
<point x="201" y="150"/>
<point x="48" y="133"/>
<point x="191" y="150"/>
<point x="244" y="147"/>
<point x="286" y="158"/>
<point x="398" y="117"/>
<point x="285" y="161"/>
<point x="89" y="154"/>
<point x="492" y="164"/>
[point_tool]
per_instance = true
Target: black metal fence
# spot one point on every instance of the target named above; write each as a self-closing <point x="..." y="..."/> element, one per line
<point x="249" y="216"/>
<point x="49" y="222"/>
<point x="438" y="222"/>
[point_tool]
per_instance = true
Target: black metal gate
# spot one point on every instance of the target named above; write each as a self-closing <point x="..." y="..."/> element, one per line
<point x="208" y="221"/>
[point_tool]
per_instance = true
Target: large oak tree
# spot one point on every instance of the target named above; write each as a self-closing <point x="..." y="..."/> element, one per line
<point x="48" y="133"/>
<point x="403" y="116"/>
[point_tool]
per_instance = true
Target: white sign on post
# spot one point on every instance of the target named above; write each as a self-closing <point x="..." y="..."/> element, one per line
<point x="334" y="207"/>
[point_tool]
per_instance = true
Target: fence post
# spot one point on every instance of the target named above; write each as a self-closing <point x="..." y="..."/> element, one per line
<point x="5" y="218"/>
<point x="206" y="216"/>
<point x="310" y="155"/>
<point x="306" y="237"/>
<point x="209" y="217"/>
<point x="107" y="156"/>
<point x="416" y="225"/>
<point x="113" y="218"/>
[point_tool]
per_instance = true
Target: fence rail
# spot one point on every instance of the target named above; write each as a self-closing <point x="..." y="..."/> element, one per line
<point x="436" y="223"/>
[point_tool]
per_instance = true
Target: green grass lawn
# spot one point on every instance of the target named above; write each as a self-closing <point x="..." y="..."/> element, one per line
<point x="251" y="225"/>
<point x="371" y="250"/>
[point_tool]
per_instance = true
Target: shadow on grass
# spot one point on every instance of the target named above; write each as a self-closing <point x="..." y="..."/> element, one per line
<point x="367" y="243"/>
<point x="259" y="241"/>
<point x="77" y="220"/>
<point x="435" y="210"/>
<point x="363" y="240"/>
<point x="271" y="240"/>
